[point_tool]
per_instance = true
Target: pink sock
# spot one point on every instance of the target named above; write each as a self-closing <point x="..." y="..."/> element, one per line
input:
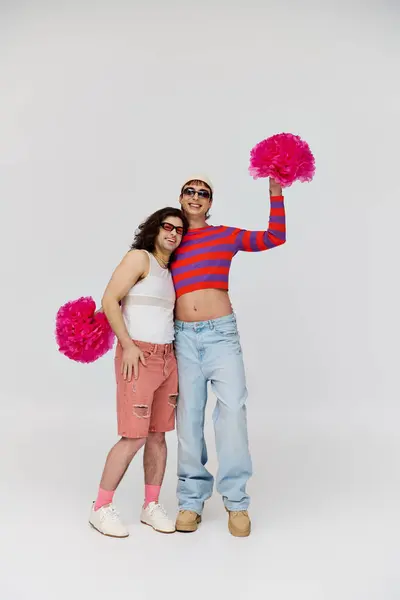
<point x="104" y="497"/>
<point x="151" y="494"/>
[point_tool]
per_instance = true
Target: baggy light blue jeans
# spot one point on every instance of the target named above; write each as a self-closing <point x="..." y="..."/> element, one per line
<point x="210" y="351"/>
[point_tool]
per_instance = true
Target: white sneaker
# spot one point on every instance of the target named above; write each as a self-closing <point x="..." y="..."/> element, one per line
<point x="155" y="516"/>
<point x="106" y="520"/>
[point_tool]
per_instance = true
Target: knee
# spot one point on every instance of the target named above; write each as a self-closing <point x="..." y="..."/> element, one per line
<point x="232" y="416"/>
<point x="132" y="445"/>
<point x="156" y="438"/>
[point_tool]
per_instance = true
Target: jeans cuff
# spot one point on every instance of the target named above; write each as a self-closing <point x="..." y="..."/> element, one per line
<point x="195" y="508"/>
<point x="232" y="506"/>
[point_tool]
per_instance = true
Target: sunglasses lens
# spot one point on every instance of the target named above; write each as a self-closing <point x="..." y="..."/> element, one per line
<point x="167" y="226"/>
<point x="179" y="230"/>
<point x="201" y="193"/>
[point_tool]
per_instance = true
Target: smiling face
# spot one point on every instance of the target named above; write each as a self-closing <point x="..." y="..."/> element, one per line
<point x="170" y="235"/>
<point x="196" y="199"/>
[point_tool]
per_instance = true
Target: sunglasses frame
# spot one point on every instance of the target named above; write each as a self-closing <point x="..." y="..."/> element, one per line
<point x="204" y="194"/>
<point x="172" y="227"/>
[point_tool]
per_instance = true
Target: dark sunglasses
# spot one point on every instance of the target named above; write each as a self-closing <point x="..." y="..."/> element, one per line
<point x="169" y="227"/>
<point x="201" y="193"/>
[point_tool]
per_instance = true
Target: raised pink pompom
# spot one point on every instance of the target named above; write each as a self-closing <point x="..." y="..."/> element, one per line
<point x="284" y="157"/>
<point x="83" y="334"/>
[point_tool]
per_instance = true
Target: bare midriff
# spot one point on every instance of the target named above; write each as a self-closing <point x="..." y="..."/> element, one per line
<point x="203" y="305"/>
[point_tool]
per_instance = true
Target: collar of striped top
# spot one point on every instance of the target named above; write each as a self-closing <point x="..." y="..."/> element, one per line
<point x="199" y="229"/>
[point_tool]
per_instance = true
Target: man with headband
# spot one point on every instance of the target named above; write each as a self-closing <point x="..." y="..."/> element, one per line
<point x="208" y="349"/>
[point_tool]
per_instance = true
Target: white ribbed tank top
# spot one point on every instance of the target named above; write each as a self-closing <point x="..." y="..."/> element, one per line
<point x="148" y="307"/>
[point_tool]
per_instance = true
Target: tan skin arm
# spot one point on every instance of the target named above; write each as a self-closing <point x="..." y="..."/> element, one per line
<point x="134" y="266"/>
<point x="274" y="188"/>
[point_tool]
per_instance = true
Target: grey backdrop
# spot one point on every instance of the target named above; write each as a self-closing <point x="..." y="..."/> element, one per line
<point x="105" y="108"/>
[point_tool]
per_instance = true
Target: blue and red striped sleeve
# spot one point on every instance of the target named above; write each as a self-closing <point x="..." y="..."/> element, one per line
<point x="257" y="241"/>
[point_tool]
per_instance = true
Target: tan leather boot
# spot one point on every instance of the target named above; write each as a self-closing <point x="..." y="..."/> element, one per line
<point x="239" y="523"/>
<point x="187" y="521"/>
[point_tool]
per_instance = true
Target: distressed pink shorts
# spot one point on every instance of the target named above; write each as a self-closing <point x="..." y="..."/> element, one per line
<point x="148" y="403"/>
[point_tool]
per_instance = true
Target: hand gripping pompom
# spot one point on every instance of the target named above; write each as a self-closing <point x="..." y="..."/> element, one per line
<point x="284" y="157"/>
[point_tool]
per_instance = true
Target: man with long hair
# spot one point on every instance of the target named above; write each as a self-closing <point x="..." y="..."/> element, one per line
<point x="139" y="305"/>
<point x="208" y="349"/>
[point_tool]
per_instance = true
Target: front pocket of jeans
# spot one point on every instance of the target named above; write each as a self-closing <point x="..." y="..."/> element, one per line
<point x="229" y="340"/>
<point x="227" y="331"/>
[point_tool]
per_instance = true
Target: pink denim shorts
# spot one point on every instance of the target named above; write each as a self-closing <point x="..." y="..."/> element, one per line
<point x="148" y="403"/>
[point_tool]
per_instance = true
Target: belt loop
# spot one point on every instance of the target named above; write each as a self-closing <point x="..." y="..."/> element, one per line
<point x="211" y="324"/>
<point x="155" y="348"/>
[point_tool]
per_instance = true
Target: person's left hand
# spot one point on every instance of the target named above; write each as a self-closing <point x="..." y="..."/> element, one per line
<point x="275" y="189"/>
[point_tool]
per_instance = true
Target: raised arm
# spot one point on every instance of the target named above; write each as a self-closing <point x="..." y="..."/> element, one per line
<point x="275" y="235"/>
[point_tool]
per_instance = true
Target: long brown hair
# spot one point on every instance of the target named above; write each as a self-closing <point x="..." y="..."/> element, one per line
<point x="146" y="233"/>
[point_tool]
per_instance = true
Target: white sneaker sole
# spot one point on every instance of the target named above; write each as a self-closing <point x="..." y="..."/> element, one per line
<point x="108" y="534"/>
<point x="158" y="530"/>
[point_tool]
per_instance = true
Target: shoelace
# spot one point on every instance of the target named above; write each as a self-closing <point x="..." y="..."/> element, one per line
<point x="236" y="513"/>
<point x="159" y="510"/>
<point x="110" y="512"/>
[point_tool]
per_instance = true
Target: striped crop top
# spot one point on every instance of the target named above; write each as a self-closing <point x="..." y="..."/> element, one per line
<point x="204" y="257"/>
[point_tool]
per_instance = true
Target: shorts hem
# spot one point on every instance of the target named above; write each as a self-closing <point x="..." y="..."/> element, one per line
<point x="162" y="430"/>
<point x="132" y="436"/>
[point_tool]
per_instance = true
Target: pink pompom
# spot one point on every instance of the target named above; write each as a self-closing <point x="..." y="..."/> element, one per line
<point x="83" y="334"/>
<point x="284" y="157"/>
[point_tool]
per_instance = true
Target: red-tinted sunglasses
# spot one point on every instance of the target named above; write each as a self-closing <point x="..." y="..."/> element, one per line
<point x="169" y="227"/>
